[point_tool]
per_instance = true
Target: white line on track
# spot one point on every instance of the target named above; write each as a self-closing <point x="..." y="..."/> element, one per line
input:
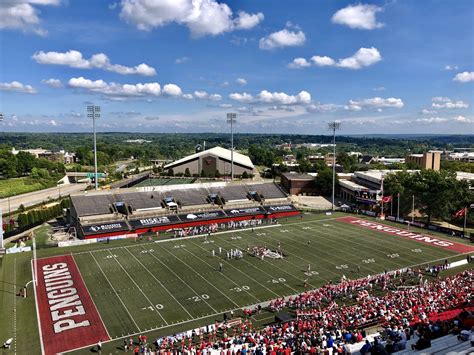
<point x="159" y="282"/>
<point x="37" y="309"/>
<point x="14" y="303"/>
<point x="139" y="288"/>
<point x="120" y="299"/>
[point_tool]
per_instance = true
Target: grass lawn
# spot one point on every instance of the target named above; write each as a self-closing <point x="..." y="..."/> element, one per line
<point x="163" y="287"/>
<point x="18" y="186"/>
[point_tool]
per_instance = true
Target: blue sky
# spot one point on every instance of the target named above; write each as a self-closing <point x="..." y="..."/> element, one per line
<point x="282" y="66"/>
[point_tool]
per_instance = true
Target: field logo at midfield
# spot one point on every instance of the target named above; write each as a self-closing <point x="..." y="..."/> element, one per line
<point x="454" y="246"/>
<point x="68" y="316"/>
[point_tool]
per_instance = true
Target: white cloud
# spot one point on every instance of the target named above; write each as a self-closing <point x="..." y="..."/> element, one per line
<point x="203" y="95"/>
<point x="428" y="112"/>
<point x="283" y="38"/>
<point x="16" y="86"/>
<point x="464" y="77"/>
<point x="244" y="97"/>
<point x="359" y="16"/>
<point x="322" y="61"/>
<point x="247" y="21"/>
<point x="446" y="102"/>
<point x="463" y="119"/>
<point x="375" y="102"/>
<point x="225" y="105"/>
<point x="172" y="90"/>
<point x="432" y="120"/>
<point x="451" y="67"/>
<point x="181" y="60"/>
<point x="116" y="90"/>
<point x="74" y="59"/>
<point x="23" y="15"/>
<point x="379" y="88"/>
<point x="202" y="17"/>
<point x="318" y="107"/>
<point x="54" y="83"/>
<point x="188" y="96"/>
<point x="241" y="81"/>
<point x="299" y="63"/>
<point x="364" y="57"/>
<point x="52" y="123"/>
<point x="267" y="97"/>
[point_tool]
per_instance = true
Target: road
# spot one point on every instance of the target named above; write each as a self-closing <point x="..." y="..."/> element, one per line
<point x="33" y="198"/>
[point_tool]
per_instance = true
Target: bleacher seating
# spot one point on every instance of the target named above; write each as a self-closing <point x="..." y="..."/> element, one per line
<point x="191" y="196"/>
<point x="268" y="190"/>
<point x="232" y="192"/>
<point x="444" y="345"/>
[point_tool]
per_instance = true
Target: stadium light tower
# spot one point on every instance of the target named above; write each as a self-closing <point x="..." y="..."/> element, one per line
<point x="231" y="118"/>
<point x="93" y="112"/>
<point x="334" y="126"/>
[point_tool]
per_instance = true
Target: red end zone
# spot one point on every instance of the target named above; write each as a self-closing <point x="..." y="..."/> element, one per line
<point x="441" y="243"/>
<point x="68" y="316"/>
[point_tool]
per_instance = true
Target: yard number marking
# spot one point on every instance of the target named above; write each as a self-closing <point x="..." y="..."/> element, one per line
<point x="368" y="261"/>
<point x="277" y="281"/>
<point x="148" y="251"/>
<point x="179" y="246"/>
<point x="343" y="266"/>
<point x="306" y="228"/>
<point x="393" y="256"/>
<point x="199" y="298"/>
<point x="417" y="250"/>
<point x="261" y="234"/>
<point x="235" y="238"/>
<point x="311" y="273"/>
<point x="111" y="256"/>
<point x="240" y="288"/>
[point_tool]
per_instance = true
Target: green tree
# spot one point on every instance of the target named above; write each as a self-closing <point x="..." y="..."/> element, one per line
<point x="324" y="181"/>
<point x="245" y="175"/>
<point x="187" y="173"/>
<point x="217" y="174"/>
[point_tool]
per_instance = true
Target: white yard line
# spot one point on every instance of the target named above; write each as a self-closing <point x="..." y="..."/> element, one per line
<point x="197" y="273"/>
<point x="37" y="310"/>
<point x="184" y="282"/>
<point x="80" y="275"/>
<point x="254" y="266"/>
<point x="110" y="284"/>
<point x="223" y="274"/>
<point x="159" y="282"/>
<point x="246" y="275"/>
<point x="139" y="288"/>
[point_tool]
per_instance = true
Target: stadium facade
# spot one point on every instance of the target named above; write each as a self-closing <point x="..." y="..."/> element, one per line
<point x="211" y="161"/>
<point x="128" y="213"/>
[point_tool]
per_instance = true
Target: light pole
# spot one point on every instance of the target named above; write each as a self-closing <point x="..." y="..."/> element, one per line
<point x="231" y="118"/>
<point x="94" y="113"/>
<point x="334" y="126"/>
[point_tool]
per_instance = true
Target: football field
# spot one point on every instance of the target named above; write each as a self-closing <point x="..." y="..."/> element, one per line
<point x="163" y="287"/>
<point x="159" y="284"/>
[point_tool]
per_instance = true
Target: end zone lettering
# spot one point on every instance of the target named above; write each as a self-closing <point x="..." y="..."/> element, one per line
<point x="403" y="233"/>
<point x="441" y="243"/>
<point x="67" y="315"/>
<point x="64" y="302"/>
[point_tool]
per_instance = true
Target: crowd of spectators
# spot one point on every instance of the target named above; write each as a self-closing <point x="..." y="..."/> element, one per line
<point x="324" y="325"/>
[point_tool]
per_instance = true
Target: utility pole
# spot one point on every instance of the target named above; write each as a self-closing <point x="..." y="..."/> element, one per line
<point x="231" y="118"/>
<point x="412" y="208"/>
<point x="1" y="230"/>
<point x="334" y="126"/>
<point x="93" y="112"/>
<point x="398" y="206"/>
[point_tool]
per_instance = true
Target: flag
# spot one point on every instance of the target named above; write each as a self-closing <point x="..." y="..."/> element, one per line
<point x="387" y="199"/>
<point x="460" y="213"/>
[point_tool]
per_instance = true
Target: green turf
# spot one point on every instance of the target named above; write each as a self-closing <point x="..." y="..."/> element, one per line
<point x="165" y="181"/>
<point x="175" y="285"/>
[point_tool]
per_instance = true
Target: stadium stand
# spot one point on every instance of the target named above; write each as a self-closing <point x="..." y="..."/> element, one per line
<point x="232" y="193"/>
<point x="268" y="191"/>
<point x="189" y="197"/>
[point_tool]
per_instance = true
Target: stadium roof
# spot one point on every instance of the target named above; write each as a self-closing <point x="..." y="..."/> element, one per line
<point x="217" y="152"/>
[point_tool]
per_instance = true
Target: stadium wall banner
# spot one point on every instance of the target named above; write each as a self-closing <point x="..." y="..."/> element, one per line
<point x="245" y="211"/>
<point x="430" y="240"/>
<point x="117" y="237"/>
<point x="71" y="243"/>
<point x="68" y="317"/>
<point x="202" y="216"/>
<point x="154" y="221"/>
<point x="15" y="250"/>
<point x="280" y="208"/>
<point x="104" y="228"/>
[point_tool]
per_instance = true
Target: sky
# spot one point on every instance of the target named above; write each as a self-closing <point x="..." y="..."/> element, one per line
<point x="395" y="66"/>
